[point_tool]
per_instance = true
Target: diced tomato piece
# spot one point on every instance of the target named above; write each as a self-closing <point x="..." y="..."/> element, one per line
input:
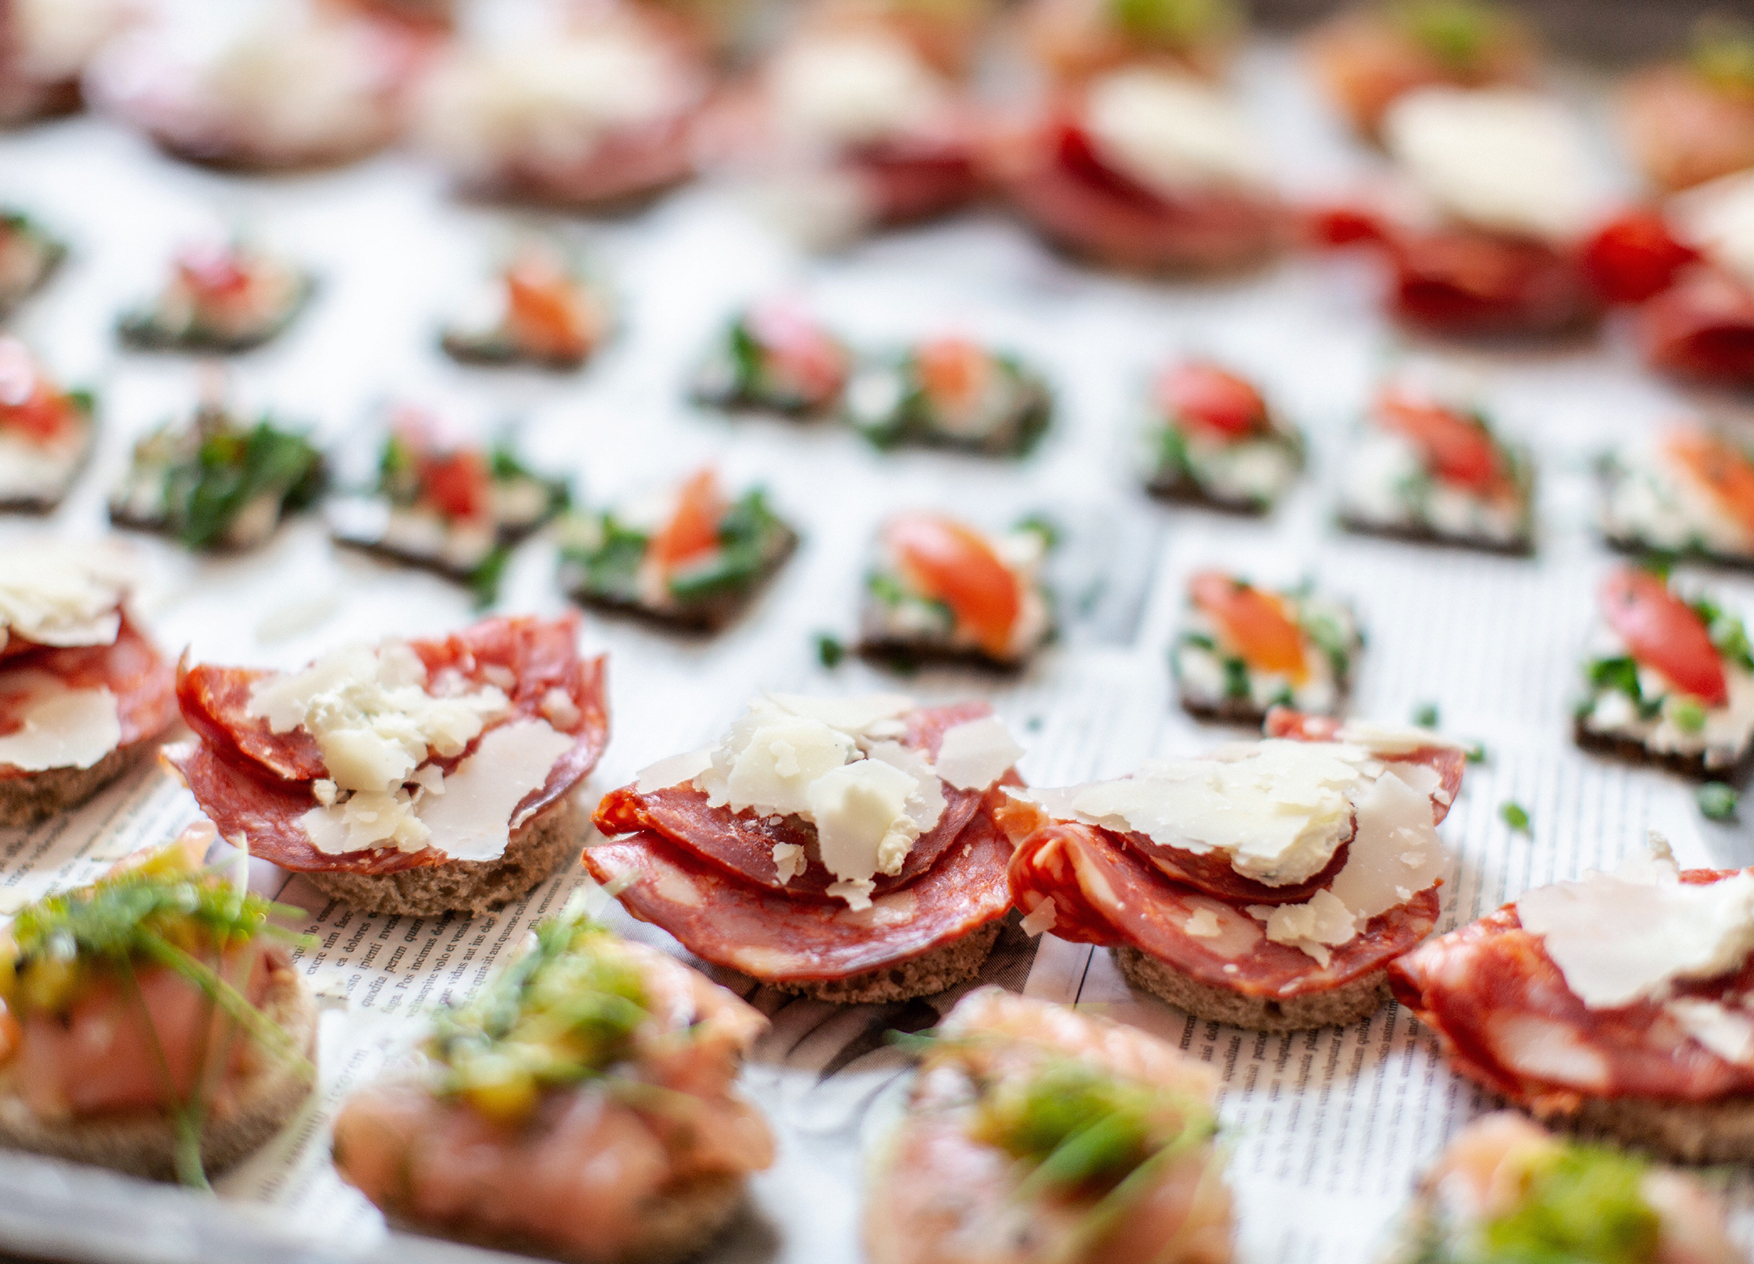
<point x="458" y="483"/>
<point x="1209" y="398"/>
<point x="213" y="272"/>
<point x="798" y="351"/>
<point x="28" y="403"/>
<point x="1664" y="633"/>
<point x="1634" y="256"/>
<point x="545" y="310"/>
<point x="1722" y="467"/>
<point x="693" y="528"/>
<point x="952" y="370"/>
<point x="1254" y="621"/>
<point x="1456" y="448"/>
<point x="955" y="564"/>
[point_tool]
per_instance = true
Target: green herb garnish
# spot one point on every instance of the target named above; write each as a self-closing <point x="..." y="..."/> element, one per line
<point x="1459" y="33"/>
<point x="1717" y="801"/>
<point x="829" y="650"/>
<point x="1425" y="715"/>
<point x="1476" y="754"/>
<point x="1582" y="1203"/>
<point x="1173" y="23"/>
<point x="1723" y="53"/>
<point x="1514" y="815"/>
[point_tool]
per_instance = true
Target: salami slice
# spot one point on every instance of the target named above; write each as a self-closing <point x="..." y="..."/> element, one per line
<point x="1459" y="281"/>
<point x="1701" y="328"/>
<point x="766" y="934"/>
<point x="1106" y="894"/>
<point x="1213" y="874"/>
<point x="257" y="783"/>
<point x="743" y="842"/>
<point x="130" y="667"/>
<point x="1508" y="1021"/>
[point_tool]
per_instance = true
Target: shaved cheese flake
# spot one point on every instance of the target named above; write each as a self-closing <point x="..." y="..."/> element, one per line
<point x="1173" y="132"/>
<point x="1040" y="919"/>
<point x="1718" y="220"/>
<point x="974" y="755"/>
<point x="771" y="768"/>
<point x="473" y="819"/>
<point x="1729" y="1033"/>
<point x="59" y="727"/>
<point x="57" y="593"/>
<point x="1315" y="927"/>
<point x="1385" y="741"/>
<point x="1202" y="924"/>
<point x="853" y="88"/>
<point x="1503" y="159"/>
<point x="371" y="715"/>
<point x="1621" y="938"/>
<point x="852" y="716"/>
<point x="788" y="861"/>
<point x="862" y="826"/>
<point x="926" y="802"/>
<point x="674" y="771"/>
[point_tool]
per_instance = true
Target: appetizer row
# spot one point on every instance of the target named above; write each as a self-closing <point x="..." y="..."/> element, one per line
<point x="583" y="1104"/>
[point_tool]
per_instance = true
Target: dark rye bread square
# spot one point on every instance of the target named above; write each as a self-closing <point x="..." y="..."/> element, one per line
<point x="37" y="796"/>
<point x="536" y="849"/>
<point x="1717" y="1131"/>
<point x="1634" y="751"/>
<point x="1183" y="489"/>
<point x="1332" y="1007"/>
<point x="928" y="974"/>
<point x="1522" y="546"/>
<point x="144" y="1143"/>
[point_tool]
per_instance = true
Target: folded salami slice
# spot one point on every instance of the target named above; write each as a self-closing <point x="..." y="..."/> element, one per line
<point x="769" y="936"/>
<point x="413" y="777"/>
<point x="130" y="667"/>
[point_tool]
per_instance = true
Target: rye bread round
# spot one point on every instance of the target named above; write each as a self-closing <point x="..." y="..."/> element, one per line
<point x="925" y="975"/>
<point x="536" y="849"/>
<point x="143" y="1143"/>
<point x="36" y="796"/>
<point x="1716" y="1131"/>
<point x="1332" y="1007"/>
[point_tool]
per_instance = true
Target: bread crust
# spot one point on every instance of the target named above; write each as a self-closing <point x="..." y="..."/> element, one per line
<point x="536" y="849"/>
<point x="39" y="795"/>
<point x="143" y="1143"/>
<point x="1331" y="1007"/>
<point x="1521" y="546"/>
<point x="1717" y="1131"/>
<point x="925" y="975"/>
<point x="1634" y="751"/>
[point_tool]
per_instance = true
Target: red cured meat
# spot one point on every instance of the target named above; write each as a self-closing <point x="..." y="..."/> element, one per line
<point x="1701" y="328"/>
<point x="743" y="843"/>
<point x="1107" y="894"/>
<point x="257" y="783"/>
<point x="1212" y="873"/>
<point x="1634" y="256"/>
<point x="769" y="936"/>
<point x="1457" y="281"/>
<point x="1489" y="988"/>
<point x="913" y="178"/>
<point x="131" y="668"/>
<point x="1060" y="183"/>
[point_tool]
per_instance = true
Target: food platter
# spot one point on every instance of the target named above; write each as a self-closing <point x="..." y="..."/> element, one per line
<point x="1325" y="1128"/>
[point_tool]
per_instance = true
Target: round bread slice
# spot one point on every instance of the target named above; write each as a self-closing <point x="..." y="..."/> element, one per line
<point x="36" y="796"/>
<point x="143" y="1143"/>
<point x="1331" y="1007"/>
<point x="674" y="1226"/>
<point x="1717" y="1131"/>
<point x="536" y="849"/>
<point x="925" y="975"/>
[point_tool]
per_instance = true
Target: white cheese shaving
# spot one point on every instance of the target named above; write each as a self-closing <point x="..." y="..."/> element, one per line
<point x="972" y="756"/>
<point x="54" y="593"/>
<point x="1039" y="919"/>
<point x="1717" y="219"/>
<point x="58" y="727"/>
<point x="472" y="819"/>
<point x="1503" y="159"/>
<point x="1729" y="1033"/>
<point x="855" y="716"/>
<point x="1621" y="938"/>
<point x="673" y="771"/>
<point x="1315" y="927"/>
<point x="789" y="861"/>
<point x="862" y="825"/>
<point x="1172" y="132"/>
<point x="1202" y="924"/>
<point x="852" y="88"/>
<point x="371" y="715"/>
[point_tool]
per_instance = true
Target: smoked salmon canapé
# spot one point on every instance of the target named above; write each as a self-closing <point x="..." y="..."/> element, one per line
<point x="1617" y="1002"/>
<point x="1426" y="468"/>
<point x="775" y="357"/>
<point x="582" y="1105"/>
<point x="83" y="692"/>
<point x="224" y="298"/>
<point x="1243" y="650"/>
<point x="417" y="777"/>
<point x="1484" y="228"/>
<point x="1211" y="439"/>
<point x="1667" y="679"/>
<point x="1036" y="1134"/>
<point x="940" y="589"/>
<point x="47" y="432"/>
<point x="153" y="1021"/>
<point x="29" y="256"/>
<point x="1147" y="170"/>
<point x="1367" y="58"/>
<point x="218" y="481"/>
<point x="45" y="46"/>
<point x="281" y="85"/>
<point x="547" y="312"/>
<point x="1266" y="885"/>
<point x="1507" y="1189"/>
<point x="1078" y="39"/>
<point x="951" y="392"/>
<point x="849" y="127"/>
<point x="1687" y="490"/>
<point x="596" y="112"/>
<point x="692" y="558"/>
<point x="446" y="503"/>
<point x="1690" y="121"/>
<point x="840" y="848"/>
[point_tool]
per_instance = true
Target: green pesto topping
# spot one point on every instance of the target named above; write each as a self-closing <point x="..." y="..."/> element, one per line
<point x="1173" y="23"/>
<point x="1459" y="33"/>
<point x="1582" y="1203"/>
<point x="564" y="1012"/>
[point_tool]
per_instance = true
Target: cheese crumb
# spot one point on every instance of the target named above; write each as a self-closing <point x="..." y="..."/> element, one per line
<point x="1040" y="919"/>
<point x="1203" y="924"/>
<point x="789" y="861"/>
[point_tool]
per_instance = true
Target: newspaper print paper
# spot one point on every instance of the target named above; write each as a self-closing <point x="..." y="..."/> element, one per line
<point x="1327" y="1128"/>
